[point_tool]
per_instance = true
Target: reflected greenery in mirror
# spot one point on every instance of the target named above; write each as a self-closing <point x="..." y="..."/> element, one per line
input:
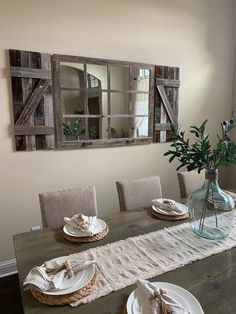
<point x="76" y="129"/>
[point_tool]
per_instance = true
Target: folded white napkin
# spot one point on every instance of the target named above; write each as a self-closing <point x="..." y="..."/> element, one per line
<point x="86" y="224"/>
<point x="167" y="205"/>
<point x="160" y="302"/>
<point x="52" y="273"/>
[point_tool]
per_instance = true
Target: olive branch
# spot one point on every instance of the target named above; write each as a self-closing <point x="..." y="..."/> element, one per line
<point x="200" y="155"/>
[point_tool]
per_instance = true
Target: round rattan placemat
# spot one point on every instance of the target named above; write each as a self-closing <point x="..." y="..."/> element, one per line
<point x="93" y="238"/>
<point x="168" y="217"/>
<point x="66" y="298"/>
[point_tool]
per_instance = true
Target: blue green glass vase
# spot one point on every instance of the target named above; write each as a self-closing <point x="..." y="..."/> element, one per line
<point x="211" y="209"/>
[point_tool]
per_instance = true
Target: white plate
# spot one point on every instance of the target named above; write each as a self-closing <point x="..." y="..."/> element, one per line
<point x="137" y="305"/>
<point x="183" y="208"/>
<point x="99" y="225"/>
<point x="76" y="282"/>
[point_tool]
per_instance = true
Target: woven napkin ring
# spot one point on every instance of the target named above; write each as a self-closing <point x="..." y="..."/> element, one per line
<point x="163" y="307"/>
<point x="67" y="266"/>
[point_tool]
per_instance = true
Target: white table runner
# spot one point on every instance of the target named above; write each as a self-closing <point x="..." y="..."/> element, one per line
<point x="146" y="256"/>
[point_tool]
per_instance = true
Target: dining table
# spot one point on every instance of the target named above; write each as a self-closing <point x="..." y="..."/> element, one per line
<point x="211" y="280"/>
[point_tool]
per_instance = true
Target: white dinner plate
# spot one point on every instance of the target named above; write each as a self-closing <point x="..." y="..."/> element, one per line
<point x="99" y="225"/>
<point x="183" y="210"/>
<point x="76" y="282"/>
<point x="136" y="303"/>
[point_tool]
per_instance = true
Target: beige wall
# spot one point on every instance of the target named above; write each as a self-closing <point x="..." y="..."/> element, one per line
<point x="194" y="35"/>
<point x="231" y="171"/>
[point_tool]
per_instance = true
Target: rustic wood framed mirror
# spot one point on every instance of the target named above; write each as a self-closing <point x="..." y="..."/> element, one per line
<point x="96" y="102"/>
<point x="101" y="102"/>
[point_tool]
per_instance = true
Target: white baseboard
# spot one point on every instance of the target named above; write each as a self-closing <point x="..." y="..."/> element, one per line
<point x="8" y="268"/>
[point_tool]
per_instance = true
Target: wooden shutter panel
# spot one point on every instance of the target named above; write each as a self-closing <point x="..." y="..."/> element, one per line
<point x="165" y="101"/>
<point x="32" y="100"/>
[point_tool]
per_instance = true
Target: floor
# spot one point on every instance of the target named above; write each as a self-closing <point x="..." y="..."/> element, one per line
<point x="10" y="299"/>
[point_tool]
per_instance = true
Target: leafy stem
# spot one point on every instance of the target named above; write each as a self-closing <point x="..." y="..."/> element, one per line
<point x="199" y="154"/>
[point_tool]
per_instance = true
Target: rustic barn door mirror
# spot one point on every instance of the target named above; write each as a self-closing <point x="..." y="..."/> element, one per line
<point x="102" y="102"/>
<point x="72" y="102"/>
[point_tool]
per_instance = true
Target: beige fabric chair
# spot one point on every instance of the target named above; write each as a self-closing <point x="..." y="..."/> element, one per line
<point x="56" y="205"/>
<point x="189" y="182"/>
<point x="136" y="194"/>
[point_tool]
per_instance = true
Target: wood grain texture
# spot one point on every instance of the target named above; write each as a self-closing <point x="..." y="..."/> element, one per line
<point x="32" y="99"/>
<point x="33" y="130"/>
<point x="165" y="101"/>
<point x="30" y="73"/>
<point x="32" y="103"/>
<point x="212" y="280"/>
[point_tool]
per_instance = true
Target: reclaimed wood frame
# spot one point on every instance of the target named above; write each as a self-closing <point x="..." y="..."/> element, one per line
<point x="60" y="142"/>
<point x="37" y="109"/>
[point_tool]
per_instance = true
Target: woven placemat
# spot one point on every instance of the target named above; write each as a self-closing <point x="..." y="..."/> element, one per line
<point x="93" y="238"/>
<point x="66" y="298"/>
<point x="168" y="217"/>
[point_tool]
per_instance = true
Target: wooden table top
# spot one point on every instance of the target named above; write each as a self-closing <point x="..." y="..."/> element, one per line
<point x="212" y="280"/>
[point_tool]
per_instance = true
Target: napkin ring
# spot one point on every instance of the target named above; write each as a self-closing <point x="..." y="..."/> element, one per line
<point x="163" y="307"/>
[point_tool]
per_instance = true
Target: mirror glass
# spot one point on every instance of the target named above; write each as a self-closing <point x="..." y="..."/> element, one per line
<point x="140" y="79"/>
<point x="119" y="78"/>
<point x="119" y="103"/>
<point x="97" y="76"/>
<point x="140" y="104"/>
<point x="72" y="101"/>
<point x="97" y="103"/>
<point x="104" y="101"/>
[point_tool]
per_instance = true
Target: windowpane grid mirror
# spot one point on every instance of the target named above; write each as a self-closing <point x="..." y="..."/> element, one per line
<point x="65" y="102"/>
<point x="102" y="102"/>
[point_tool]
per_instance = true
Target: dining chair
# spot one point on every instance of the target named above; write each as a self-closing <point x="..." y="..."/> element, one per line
<point x="189" y="181"/>
<point x="58" y="204"/>
<point x="139" y="193"/>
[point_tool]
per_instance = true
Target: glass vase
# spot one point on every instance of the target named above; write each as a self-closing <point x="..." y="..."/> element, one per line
<point x="211" y="209"/>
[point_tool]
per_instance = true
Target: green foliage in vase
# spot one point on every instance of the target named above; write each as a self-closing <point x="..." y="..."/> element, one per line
<point x="76" y="129"/>
<point x="200" y="154"/>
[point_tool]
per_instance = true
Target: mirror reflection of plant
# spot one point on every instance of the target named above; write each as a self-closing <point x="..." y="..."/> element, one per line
<point x="200" y="154"/>
<point x="92" y="132"/>
<point x="76" y="129"/>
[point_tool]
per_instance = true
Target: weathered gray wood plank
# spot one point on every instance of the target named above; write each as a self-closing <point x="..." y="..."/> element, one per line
<point x="27" y="87"/>
<point x="127" y="91"/>
<point x="34" y="130"/>
<point x="98" y="61"/>
<point x="110" y="142"/>
<point x="109" y="101"/>
<point x="167" y="82"/>
<point x="30" y="73"/>
<point x="104" y="116"/>
<point x="47" y="103"/>
<point x="164" y="126"/>
<point x="32" y="103"/>
<point x="166" y="103"/>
